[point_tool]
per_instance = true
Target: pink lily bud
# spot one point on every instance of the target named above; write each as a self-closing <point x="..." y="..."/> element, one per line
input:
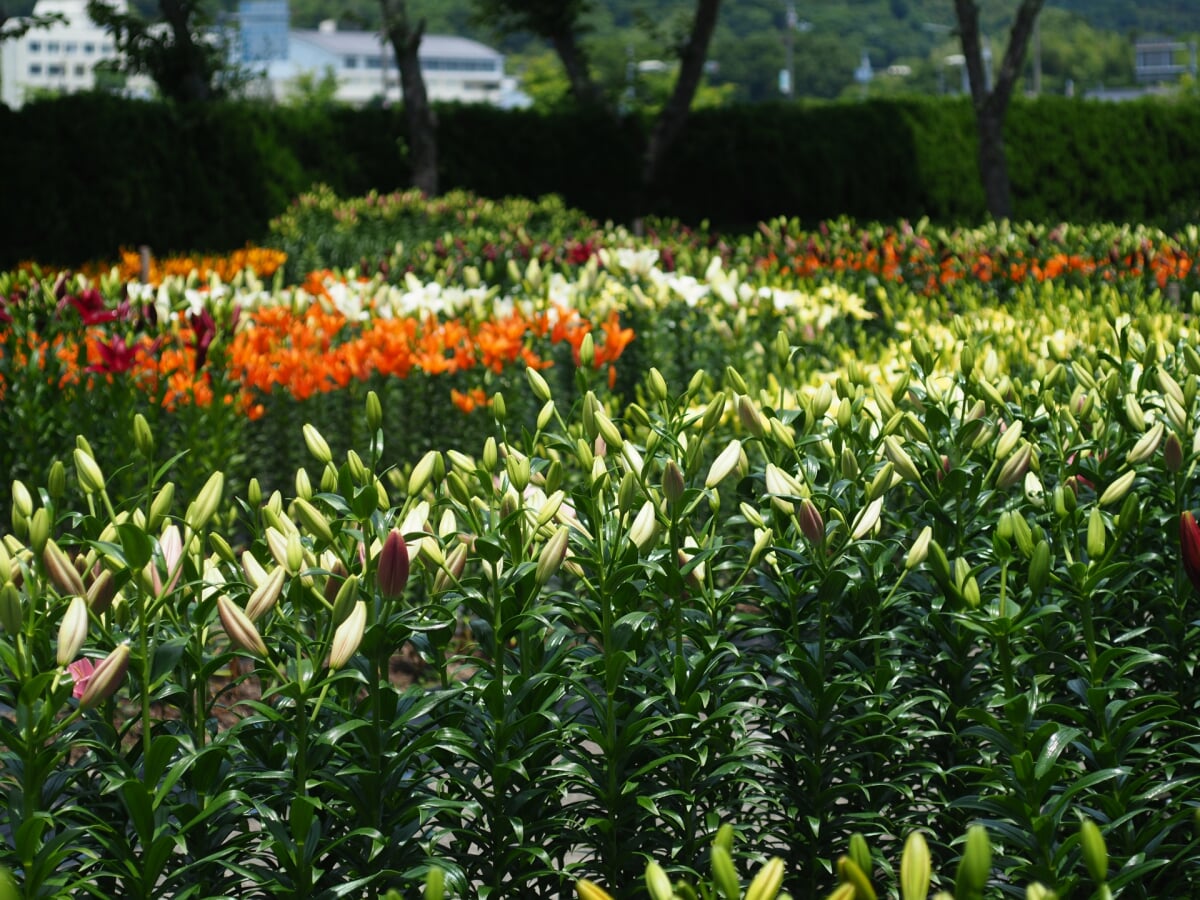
<point x="392" y="574"/>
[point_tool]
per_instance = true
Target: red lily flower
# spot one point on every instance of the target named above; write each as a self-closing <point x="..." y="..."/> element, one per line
<point x="205" y="330"/>
<point x="1189" y="546"/>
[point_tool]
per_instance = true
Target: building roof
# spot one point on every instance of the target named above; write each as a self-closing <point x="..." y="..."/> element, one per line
<point x="367" y="42"/>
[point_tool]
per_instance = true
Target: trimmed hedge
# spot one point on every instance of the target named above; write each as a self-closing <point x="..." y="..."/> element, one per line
<point x="83" y="175"/>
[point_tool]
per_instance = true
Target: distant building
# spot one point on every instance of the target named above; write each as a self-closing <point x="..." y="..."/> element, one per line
<point x="1160" y="60"/>
<point x="456" y="69"/>
<point x="61" y="58"/>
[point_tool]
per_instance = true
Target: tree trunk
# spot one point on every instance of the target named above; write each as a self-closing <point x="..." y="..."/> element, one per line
<point x="671" y="121"/>
<point x="191" y="79"/>
<point x="991" y="106"/>
<point x="418" y="114"/>
<point x="673" y="117"/>
<point x="574" y="61"/>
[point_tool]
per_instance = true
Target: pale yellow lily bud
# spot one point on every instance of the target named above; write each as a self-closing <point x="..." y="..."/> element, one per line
<point x="725" y="463"/>
<point x="72" y="630"/>
<point x="766" y="884"/>
<point x="1146" y="444"/>
<point x="920" y="549"/>
<point x="106" y="677"/>
<point x="317" y="444"/>
<point x="240" y="630"/>
<point x="266" y="595"/>
<point x="915" y="868"/>
<point x="91" y="479"/>
<point x="1116" y="491"/>
<point x="1008" y="440"/>
<point x="204" y="507"/>
<point x="899" y="457"/>
<point x="644" y="529"/>
<point x="867" y="519"/>
<point x="347" y="636"/>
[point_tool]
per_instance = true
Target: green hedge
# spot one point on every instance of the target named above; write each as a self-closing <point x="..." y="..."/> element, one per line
<point x="86" y="174"/>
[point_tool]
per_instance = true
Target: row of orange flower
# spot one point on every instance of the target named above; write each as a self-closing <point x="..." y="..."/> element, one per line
<point x="928" y="265"/>
<point x="275" y="349"/>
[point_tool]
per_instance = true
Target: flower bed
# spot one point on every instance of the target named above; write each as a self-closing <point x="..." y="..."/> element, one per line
<point x="884" y="563"/>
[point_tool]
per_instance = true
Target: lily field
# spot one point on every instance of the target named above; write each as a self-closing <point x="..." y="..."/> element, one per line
<point x="471" y="548"/>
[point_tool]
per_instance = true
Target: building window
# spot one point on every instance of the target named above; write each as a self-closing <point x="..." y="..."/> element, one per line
<point x="106" y="47"/>
<point x="436" y="64"/>
<point x="55" y="69"/>
<point x="373" y="62"/>
<point x="35" y="68"/>
<point x="89" y="48"/>
<point x="35" y="46"/>
<point x="350" y="62"/>
<point x="80" y="71"/>
<point x="70" y="47"/>
<point x="52" y="47"/>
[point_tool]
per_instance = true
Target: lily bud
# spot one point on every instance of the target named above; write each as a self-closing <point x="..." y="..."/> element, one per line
<point x="673" y="484"/>
<point x="143" y="439"/>
<point x="812" y="526"/>
<point x="456" y="561"/>
<point x="1146" y="444"/>
<point x="1095" y="854"/>
<point x="1015" y="466"/>
<point x="589" y="890"/>
<point x="538" y="384"/>
<point x="101" y="591"/>
<point x="768" y="881"/>
<point x="316" y="444"/>
<point x="266" y="595"/>
<point x="106" y="677"/>
<point x="348" y="636"/>
<point x="645" y="527"/>
<point x="422" y="472"/>
<point x="374" y="410"/>
<point x="312" y="519"/>
<point x="920" y="549"/>
<point x="64" y="575"/>
<point x="11" y="616"/>
<point x="91" y="479"/>
<point x="900" y="459"/>
<point x="1008" y="440"/>
<point x="915" y="868"/>
<point x="72" y="630"/>
<point x="1173" y="453"/>
<point x="658" y="883"/>
<point x="205" y="505"/>
<point x="1116" y="491"/>
<point x="867" y="519"/>
<point x="552" y="556"/>
<point x="240" y="630"/>
<point x="724" y="464"/>
<point x="1097" y="539"/>
<point x="393" y="566"/>
<point x="975" y="865"/>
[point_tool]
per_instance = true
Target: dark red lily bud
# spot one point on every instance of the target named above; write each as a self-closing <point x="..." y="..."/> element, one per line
<point x="392" y="575"/>
<point x="1189" y="546"/>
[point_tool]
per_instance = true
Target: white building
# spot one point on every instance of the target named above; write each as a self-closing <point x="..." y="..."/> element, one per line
<point x="455" y="69"/>
<point x="62" y="58"/>
<point x="59" y="58"/>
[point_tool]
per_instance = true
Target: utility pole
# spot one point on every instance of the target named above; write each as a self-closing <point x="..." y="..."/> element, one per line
<point x="790" y="42"/>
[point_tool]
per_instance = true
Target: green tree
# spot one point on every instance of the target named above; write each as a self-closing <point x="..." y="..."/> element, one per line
<point x="187" y="63"/>
<point x="562" y="24"/>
